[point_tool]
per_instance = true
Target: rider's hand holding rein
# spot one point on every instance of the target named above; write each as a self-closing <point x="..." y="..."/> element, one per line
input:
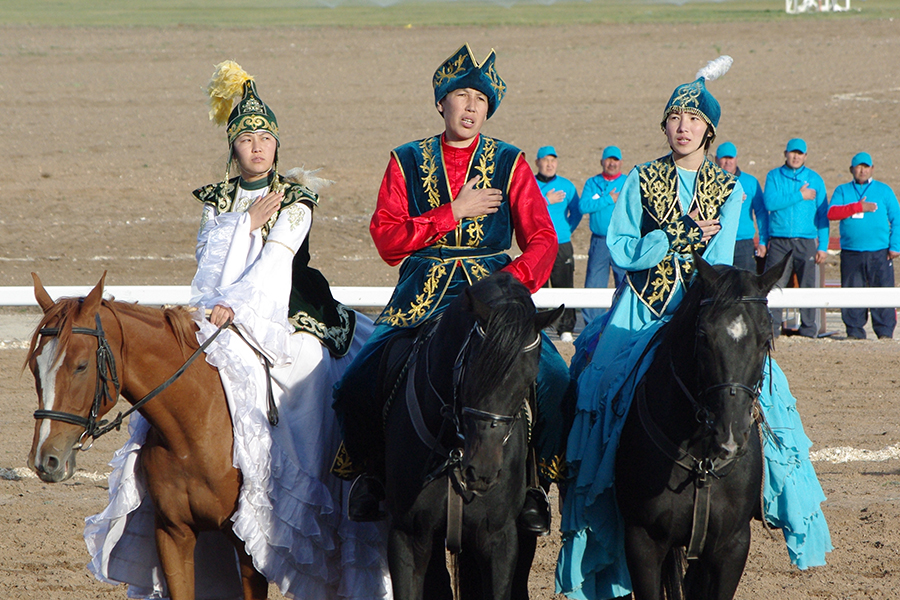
<point x="263" y="208"/>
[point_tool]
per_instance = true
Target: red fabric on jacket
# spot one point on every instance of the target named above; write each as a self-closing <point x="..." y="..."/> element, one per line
<point x="397" y="234"/>
<point x="844" y="211"/>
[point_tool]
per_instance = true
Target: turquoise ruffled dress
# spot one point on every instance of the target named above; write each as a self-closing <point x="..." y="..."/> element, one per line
<point x="620" y="347"/>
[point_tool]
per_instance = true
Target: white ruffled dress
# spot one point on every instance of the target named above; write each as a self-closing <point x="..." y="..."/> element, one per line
<point x="291" y="511"/>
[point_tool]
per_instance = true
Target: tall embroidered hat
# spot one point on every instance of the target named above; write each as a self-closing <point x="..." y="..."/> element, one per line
<point x="461" y="70"/>
<point x="694" y="98"/>
<point x="228" y="83"/>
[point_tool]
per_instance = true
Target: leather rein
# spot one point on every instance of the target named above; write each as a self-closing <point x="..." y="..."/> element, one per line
<point x="457" y="493"/>
<point x="106" y="374"/>
<point x="702" y="468"/>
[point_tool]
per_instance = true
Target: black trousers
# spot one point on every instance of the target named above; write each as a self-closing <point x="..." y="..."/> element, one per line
<point x="563" y="276"/>
<point x="867" y="269"/>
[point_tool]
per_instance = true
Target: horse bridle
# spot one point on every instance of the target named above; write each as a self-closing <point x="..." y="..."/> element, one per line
<point x="702" y="468"/>
<point x="106" y="364"/>
<point x="456" y="412"/>
<point x="702" y="412"/>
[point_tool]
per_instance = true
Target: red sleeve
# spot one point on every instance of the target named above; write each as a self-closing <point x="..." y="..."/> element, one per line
<point x="395" y="232"/>
<point x="844" y="211"/>
<point x="534" y="229"/>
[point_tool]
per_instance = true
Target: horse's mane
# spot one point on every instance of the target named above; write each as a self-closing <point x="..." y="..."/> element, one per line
<point x="731" y="285"/>
<point x="509" y="328"/>
<point x="64" y="312"/>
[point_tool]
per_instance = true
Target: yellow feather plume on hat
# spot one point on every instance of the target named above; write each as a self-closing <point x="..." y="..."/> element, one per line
<point x="226" y="84"/>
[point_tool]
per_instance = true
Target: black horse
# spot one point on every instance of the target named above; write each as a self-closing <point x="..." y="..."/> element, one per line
<point x="457" y="426"/>
<point x="689" y="462"/>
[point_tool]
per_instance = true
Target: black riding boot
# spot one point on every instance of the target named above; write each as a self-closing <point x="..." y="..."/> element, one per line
<point x="535" y="514"/>
<point x="366" y="495"/>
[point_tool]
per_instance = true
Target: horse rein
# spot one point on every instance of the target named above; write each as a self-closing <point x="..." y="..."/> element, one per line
<point x="106" y="363"/>
<point x="702" y="468"/>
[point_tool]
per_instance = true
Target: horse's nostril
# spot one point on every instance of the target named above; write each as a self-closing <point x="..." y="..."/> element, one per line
<point x="51" y="464"/>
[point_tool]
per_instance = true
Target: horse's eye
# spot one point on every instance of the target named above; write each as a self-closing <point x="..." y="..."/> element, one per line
<point x="82" y="367"/>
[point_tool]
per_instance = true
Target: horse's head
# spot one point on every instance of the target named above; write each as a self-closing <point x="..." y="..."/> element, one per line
<point x="734" y="336"/>
<point x="75" y="381"/>
<point x="495" y="371"/>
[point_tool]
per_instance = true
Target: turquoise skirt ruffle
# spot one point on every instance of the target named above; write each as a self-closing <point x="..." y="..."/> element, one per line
<point x="591" y="563"/>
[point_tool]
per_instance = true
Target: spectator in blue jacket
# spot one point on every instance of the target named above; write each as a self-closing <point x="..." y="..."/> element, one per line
<point x="797" y="201"/>
<point x="598" y="198"/>
<point x="746" y="249"/>
<point x="870" y="241"/>
<point x="562" y="204"/>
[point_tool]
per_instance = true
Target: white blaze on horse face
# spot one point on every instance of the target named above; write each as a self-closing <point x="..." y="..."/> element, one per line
<point x="737" y="329"/>
<point x="47" y="371"/>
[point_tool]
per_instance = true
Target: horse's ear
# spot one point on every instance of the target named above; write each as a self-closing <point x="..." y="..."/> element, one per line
<point x="768" y="279"/>
<point x="92" y="301"/>
<point x="704" y="269"/>
<point x="481" y="309"/>
<point x="40" y="294"/>
<point x="545" y="318"/>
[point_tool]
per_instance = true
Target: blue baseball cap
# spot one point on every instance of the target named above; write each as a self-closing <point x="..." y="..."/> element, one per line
<point x="862" y="158"/>
<point x="612" y="152"/>
<point x="796" y="145"/>
<point x="727" y="149"/>
<point x="546" y="151"/>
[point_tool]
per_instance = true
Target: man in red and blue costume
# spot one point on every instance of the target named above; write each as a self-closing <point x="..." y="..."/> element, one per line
<point x="447" y="210"/>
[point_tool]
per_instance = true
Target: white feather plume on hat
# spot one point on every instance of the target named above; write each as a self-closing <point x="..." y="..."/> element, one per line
<point x="715" y="68"/>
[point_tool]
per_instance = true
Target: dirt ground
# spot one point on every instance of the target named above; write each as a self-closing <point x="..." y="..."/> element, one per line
<point x="107" y="134"/>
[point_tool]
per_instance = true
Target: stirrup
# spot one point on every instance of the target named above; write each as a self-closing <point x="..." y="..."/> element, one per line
<point x="364" y="499"/>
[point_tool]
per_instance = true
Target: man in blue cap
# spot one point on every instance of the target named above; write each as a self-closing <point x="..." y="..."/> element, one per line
<point x="869" y="218"/>
<point x="797" y="201"/>
<point x="562" y="204"/>
<point x="598" y="198"/>
<point x="746" y="250"/>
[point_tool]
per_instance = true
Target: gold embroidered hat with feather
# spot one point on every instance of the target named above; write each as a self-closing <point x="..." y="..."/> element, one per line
<point x="230" y="82"/>
<point x="694" y="98"/>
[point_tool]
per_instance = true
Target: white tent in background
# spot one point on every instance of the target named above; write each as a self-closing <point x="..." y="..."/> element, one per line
<point x="801" y="6"/>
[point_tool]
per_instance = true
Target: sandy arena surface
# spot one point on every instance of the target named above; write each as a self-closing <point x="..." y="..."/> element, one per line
<point x="107" y="135"/>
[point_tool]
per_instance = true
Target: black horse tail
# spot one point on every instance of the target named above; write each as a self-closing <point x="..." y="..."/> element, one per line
<point x="673" y="570"/>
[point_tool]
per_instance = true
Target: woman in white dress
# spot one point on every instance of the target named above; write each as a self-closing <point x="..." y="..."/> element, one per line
<point x="252" y="269"/>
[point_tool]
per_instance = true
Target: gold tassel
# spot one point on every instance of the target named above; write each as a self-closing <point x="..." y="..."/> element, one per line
<point x="226" y="84"/>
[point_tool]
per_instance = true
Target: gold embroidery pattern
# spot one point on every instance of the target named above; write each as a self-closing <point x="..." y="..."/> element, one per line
<point x="486" y="166"/>
<point x="664" y="282"/>
<point x="253" y="105"/>
<point x="296" y="215"/>
<point x="342" y="467"/>
<point x="446" y="72"/>
<point x="496" y="83"/>
<point x="477" y="270"/>
<point x="554" y="470"/>
<point x="688" y="96"/>
<point x="340" y="334"/>
<point x="659" y="186"/>
<point x="419" y="308"/>
<point x="252" y="123"/>
<point x="429" y="171"/>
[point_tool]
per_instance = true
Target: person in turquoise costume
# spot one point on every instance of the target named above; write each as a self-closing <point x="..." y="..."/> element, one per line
<point x="668" y="208"/>
<point x="447" y="210"/>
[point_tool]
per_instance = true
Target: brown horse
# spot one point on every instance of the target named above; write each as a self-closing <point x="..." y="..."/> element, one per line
<point x="91" y="348"/>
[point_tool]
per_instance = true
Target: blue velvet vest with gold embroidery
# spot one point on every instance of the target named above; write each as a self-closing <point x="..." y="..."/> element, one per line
<point x="662" y="210"/>
<point x="431" y="277"/>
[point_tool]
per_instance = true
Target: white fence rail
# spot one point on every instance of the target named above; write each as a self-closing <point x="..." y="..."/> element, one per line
<point x="376" y="297"/>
